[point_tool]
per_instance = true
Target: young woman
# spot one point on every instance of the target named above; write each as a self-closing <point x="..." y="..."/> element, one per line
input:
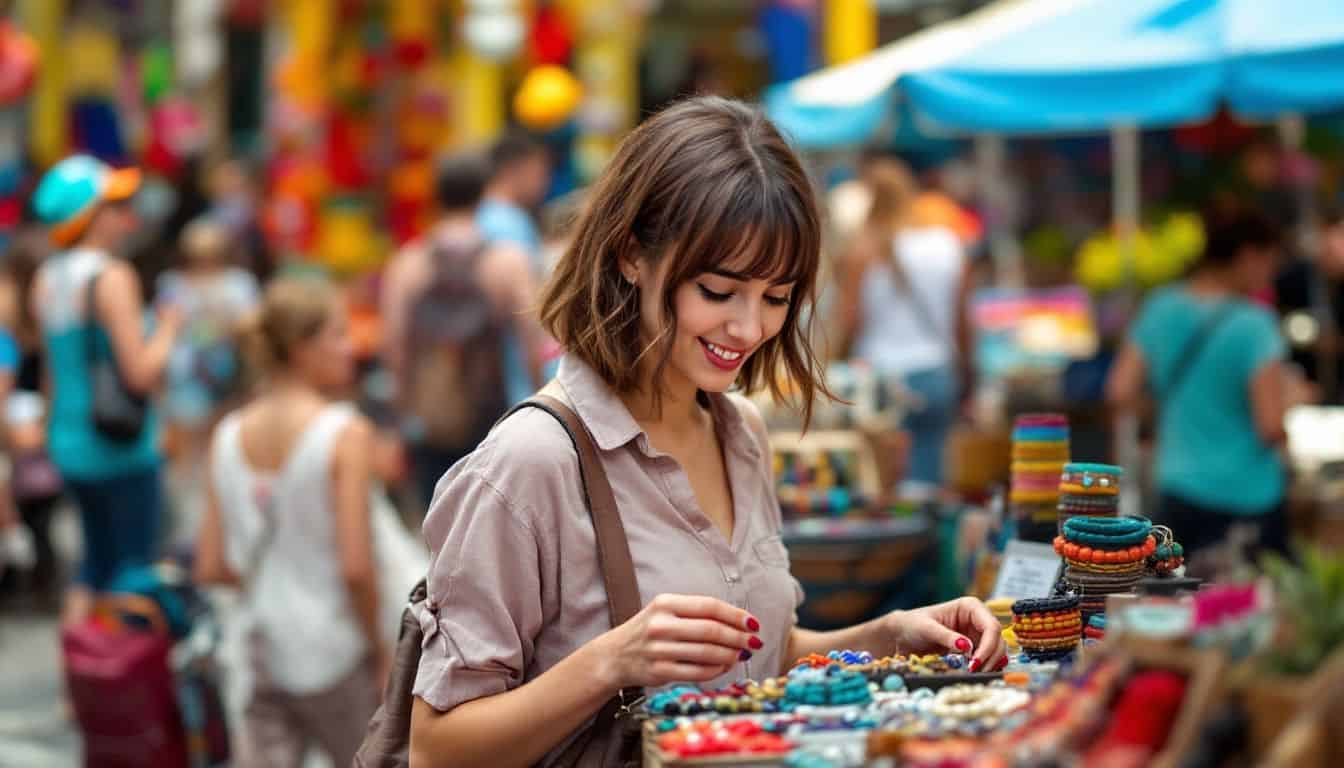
<point x="903" y="309"/>
<point x="1213" y="361"/>
<point x="689" y="270"/>
<point x="288" y="520"/>
<point x="115" y="482"/>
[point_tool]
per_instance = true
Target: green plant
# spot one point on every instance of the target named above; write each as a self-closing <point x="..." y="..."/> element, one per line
<point x="1310" y="598"/>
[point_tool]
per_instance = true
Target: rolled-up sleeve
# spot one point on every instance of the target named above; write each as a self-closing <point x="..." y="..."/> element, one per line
<point x="484" y="606"/>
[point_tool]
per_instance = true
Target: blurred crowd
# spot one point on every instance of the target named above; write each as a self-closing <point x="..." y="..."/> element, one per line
<point x="156" y="372"/>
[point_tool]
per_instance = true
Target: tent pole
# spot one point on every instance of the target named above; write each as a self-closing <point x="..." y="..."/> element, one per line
<point x="989" y="172"/>
<point x="1125" y="219"/>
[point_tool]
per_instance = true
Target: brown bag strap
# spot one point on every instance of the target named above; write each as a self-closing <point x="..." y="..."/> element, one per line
<point x="613" y="548"/>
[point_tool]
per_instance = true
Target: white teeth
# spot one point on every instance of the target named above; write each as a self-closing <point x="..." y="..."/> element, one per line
<point x="721" y="352"/>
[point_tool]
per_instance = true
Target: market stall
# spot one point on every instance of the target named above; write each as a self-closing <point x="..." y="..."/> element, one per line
<point x="1125" y="662"/>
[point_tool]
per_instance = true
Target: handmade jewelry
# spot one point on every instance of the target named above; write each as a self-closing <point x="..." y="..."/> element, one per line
<point x="703" y="738"/>
<point x="969" y="702"/>
<point x="1050" y="644"/>
<point x="1027" y="625"/>
<point x="1085" y="490"/>
<point x="1042" y="604"/>
<point x="1167" y="554"/>
<point x="832" y="686"/>
<point x="1091" y="476"/>
<point x="1045" y="625"/>
<point x="1038" y="636"/>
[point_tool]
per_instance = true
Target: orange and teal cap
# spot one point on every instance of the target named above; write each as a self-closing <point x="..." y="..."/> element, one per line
<point x="69" y="193"/>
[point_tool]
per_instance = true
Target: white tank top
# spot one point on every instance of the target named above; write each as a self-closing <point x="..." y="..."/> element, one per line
<point x="296" y="595"/>
<point x="896" y="336"/>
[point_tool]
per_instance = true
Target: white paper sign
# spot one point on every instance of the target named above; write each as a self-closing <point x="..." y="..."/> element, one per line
<point x="1029" y="569"/>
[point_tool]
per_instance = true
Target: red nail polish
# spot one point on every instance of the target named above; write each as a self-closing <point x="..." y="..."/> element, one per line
<point x="744" y="655"/>
<point x="975" y="665"/>
<point x="963" y="645"/>
<point x="755" y="643"/>
<point x="1002" y="663"/>
<point x="753" y="624"/>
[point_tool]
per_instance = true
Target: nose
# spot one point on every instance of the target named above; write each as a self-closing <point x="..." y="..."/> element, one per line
<point x="744" y="329"/>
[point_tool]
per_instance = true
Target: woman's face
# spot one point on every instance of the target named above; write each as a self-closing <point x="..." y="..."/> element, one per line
<point x="722" y="318"/>
<point x="327" y="360"/>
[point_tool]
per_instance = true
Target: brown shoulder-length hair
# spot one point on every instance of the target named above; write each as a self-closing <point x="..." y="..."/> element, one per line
<point x="707" y="183"/>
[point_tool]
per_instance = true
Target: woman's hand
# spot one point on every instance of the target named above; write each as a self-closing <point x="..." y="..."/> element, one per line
<point x="677" y="638"/>
<point x="959" y="626"/>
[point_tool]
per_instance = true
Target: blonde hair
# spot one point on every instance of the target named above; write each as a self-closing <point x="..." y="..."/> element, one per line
<point x="894" y="191"/>
<point x="293" y="310"/>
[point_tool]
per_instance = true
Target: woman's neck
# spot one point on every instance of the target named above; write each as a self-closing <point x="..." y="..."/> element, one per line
<point x="675" y="411"/>
<point x="290" y="387"/>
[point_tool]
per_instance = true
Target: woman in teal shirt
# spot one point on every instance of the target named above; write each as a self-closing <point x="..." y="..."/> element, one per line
<point x="115" y="483"/>
<point x="1212" y="359"/>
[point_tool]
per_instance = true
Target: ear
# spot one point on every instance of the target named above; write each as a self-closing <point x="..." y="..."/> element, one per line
<point x="629" y="263"/>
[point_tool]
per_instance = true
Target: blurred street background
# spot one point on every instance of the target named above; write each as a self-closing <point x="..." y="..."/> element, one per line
<point x="1062" y="193"/>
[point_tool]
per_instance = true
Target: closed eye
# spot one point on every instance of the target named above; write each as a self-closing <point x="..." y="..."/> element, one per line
<point x="714" y="296"/>
<point x="778" y="301"/>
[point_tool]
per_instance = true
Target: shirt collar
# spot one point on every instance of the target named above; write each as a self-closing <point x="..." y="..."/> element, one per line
<point x="612" y="426"/>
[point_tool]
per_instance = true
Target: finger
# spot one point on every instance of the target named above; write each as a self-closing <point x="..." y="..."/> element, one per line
<point x="973" y="613"/>
<point x="695" y="653"/>
<point x="678" y="671"/>
<point x="944" y="638"/>
<point x="700" y="607"/>
<point x="707" y="631"/>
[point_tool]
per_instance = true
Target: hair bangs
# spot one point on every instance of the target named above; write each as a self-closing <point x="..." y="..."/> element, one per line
<point x="752" y="228"/>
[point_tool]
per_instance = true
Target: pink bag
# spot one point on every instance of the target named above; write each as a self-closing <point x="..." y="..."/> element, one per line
<point x="122" y="691"/>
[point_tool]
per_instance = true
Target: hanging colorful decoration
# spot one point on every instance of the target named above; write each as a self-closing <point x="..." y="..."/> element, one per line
<point x="605" y="62"/>
<point x="197" y="40"/>
<point x="547" y="98"/>
<point x="93" y="58"/>
<point x="789" y="28"/>
<point x="494" y="29"/>
<point x="156" y="71"/>
<point x="347" y="238"/>
<point x="411" y="26"/>
<point x="850" y="29"/>
<point x="11" y="175"/>
<point x="18" y="64"/>
<point x="46" y="109"/>
<point x="551" y="40"/>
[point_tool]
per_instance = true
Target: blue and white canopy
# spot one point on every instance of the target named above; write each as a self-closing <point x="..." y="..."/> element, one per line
<point x="1034" y="66"/>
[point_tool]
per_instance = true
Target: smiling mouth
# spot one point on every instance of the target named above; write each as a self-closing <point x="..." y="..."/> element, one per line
<point x="721" y="356"/>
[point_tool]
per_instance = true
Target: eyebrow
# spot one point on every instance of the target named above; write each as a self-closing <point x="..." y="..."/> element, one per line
<point x="731" y="275"/>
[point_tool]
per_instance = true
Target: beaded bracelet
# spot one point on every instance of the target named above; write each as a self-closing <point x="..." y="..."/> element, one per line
<point x="1133" y="566"/>
<point x="1040" y="604"/>
<point x="1115" y="525"/>
<point x="968" y="702"/>
<point x="1081" y="553"/>
<point x="1033" y="624"/>
<point x="1053" y="635"/>
<point x="1027" y="626"/>
<point x="1083" y="490"/>
<point x="1050" y="644"/>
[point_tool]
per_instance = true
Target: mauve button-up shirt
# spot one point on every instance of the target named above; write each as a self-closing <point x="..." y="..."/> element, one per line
<point x="514" y="583"/>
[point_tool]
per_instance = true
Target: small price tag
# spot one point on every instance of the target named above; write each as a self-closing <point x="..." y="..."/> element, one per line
<point x="1029" y="569"/>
